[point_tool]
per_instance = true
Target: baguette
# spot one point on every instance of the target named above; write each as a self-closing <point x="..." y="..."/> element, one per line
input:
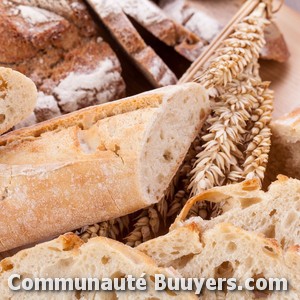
<point x="275" y="213"/>
<point x="68" y="257"/>
<point x="173" y="34"/>
<point x="284" y="154"/>
<point x="96" y="164"/>
<point x="144" y="57"/>
<point x="226" y="251"/>
<point x="18" y="96"/>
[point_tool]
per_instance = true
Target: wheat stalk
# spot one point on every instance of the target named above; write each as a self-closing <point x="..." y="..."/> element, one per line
<point x="257" y="152"/>
<point x="239" y="50"/>
<point x="241" y="103"/>
<point x="218" y="162"/>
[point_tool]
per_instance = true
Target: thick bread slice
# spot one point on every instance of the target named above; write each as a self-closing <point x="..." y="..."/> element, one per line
<point x="152" y="66"/>
<point x="18" y="96"/>
<point x="275" y="213"/>
<point x="96" y="164"/>
<point x="231" y="252"/>
<point x="68" y="257"/>
<point x="164" y="28"/>
<point x="284" y="155"/>
<point x="175" y="247"/>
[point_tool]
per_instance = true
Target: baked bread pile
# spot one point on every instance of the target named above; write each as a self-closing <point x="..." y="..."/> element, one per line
<point x="68" y="257"/>
<point x="96" y="164"/>
<point x="69" y="54"/>
<point x="256" y="235"/>
<point x="127" y="166"/>
<point x="57" y="45"/>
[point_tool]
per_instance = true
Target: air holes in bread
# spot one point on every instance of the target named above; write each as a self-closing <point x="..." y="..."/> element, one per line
<point x="105" y="260"/>
<point x="3" y="88"/>
<point x="231" y="247"/>
<point x="270" y="232"/>
<point x="181" y="262"/>
<point x="167" y="155"/>
<point x="118" y="275"/>
<point x="6" y="265"/>
<point x="246" y="202"/>
<point x="225" y="270"/>
<point x="2" y="118"/>
<point x="161" y="135"/>
<point x="269" y="250"/>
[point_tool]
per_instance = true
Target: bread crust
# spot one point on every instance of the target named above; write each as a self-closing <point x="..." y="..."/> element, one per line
<point x="68" y="257"/>
<point x="50" y="187"/>
<point x="57" y="45"/>
<point x="144" y="57"/>
<point x="18" y="96"/>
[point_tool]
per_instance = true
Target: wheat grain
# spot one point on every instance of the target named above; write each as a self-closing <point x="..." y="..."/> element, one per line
<point x="241" y="113"/>
<point x="259" y="137"/>
<point x="218" y="162"/>
<point x="237" y="52"/>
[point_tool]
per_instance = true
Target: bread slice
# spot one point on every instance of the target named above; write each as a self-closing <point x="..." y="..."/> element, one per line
<point x="204" y="23"/>
<point x="275" y="213"/>
<point x="230" y="252"/>
<point x="18" y="96"/>
<point x="68" y="257"/>
<point x="151" y="65"/>
<point x="173" y="34"/>
<point x="284" y="155"/>
<point x="96" y="164"/>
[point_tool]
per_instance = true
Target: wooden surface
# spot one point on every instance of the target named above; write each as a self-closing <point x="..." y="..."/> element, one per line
<point x="286" y="77"/>
<point x="295" y="4"/>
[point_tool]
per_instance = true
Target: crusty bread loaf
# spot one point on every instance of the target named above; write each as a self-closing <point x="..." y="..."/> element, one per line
<point x="207" y="18"/>
<point x="68" y="257"/>
<point x="96" y="164"/>
<point x="200" y="20"/>
<point x="152" y="66"/>
<point x="275" y="213"/>
<point x="227" y="251"/>
<point x="56" y="44"/>
<point x="18" y="96"/>
<point x="151" y="17"/>
<point x="284" y="154"/>
<point x="276" y="47"/>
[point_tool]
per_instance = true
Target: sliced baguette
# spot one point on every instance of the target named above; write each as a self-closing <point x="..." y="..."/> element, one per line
<point x="275" y="213"/>
<point x="144" y="57"/>
<point x="68" y="257"/>
<point x="152" y="18"/>
<point x="284" y="154"/>
<point x="96" y="164"/>
<point x="229" y="252"/>
<point x="18" y="96"/>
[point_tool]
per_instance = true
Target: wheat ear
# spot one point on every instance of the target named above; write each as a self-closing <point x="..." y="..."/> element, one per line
<point x="241" y="48"/>
<point x="242" y="102"/>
